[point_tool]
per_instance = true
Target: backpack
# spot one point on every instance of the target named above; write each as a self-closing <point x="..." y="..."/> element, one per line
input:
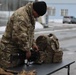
<point x="49" y="49"/>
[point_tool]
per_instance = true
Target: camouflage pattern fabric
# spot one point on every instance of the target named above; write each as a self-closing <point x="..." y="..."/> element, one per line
<point x="57" y="56"/>
<point x="3" y="72"/>
<point x="18" y="36"/>
<point x="49" y="49"/>
<point x="33" y="72"/>
<point x="11" y="72"/>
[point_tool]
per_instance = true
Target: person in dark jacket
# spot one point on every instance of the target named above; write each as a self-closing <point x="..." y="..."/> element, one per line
<point x="18" y="37"/>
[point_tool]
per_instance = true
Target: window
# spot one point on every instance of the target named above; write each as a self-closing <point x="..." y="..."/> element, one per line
<point x="51" y="11"/>
<point x="64" y="12"/>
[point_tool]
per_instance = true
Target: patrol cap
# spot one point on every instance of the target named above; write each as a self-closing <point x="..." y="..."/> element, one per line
<point x="40" y="7"/>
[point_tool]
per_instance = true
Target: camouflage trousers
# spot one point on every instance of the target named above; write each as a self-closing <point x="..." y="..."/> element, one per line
<point x="10" y="57"/>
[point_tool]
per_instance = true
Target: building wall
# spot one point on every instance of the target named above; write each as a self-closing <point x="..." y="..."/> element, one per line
<point x="7" y="7"/>
<point x="61" y="4"/>
<point x="59" y="1"/>
<point x="11" y="5"/>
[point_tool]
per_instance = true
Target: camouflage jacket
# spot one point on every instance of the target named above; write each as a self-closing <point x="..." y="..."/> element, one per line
<point x="18" y="35"/>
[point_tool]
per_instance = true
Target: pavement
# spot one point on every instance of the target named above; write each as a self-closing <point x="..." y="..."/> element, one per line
<point x="59" y="30"/>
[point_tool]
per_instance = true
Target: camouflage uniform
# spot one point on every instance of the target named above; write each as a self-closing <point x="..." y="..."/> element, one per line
<point x="18" y="36"/>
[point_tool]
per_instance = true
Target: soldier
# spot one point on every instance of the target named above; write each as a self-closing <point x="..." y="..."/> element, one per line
<point x="18" y="37"/>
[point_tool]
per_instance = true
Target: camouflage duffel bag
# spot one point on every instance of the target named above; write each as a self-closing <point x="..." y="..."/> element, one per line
<point x="4" y="72"/>
<point x="11" y="72"/>
<point x="44" y="41"/>
<point x="32" y="72"/>
<point x="57" y="55"/>
<point x="49" y="48"/>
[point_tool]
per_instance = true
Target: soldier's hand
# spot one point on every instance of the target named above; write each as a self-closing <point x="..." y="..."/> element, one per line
<point x="28" y="54"/>
<point x="35" y="47"/>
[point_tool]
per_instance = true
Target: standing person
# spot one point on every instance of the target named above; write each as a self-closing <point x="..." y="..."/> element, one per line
<point x="18" y="37"/>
